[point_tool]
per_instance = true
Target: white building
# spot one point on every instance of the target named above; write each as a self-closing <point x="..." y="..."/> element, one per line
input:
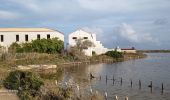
<point x="98" y="48"/>
<point x="20" y="35"/>
<point x="129" y="50"/>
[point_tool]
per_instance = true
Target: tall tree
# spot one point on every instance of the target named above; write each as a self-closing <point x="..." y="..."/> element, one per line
<point x="77" y="50"/>
<point x="83" y="44"/>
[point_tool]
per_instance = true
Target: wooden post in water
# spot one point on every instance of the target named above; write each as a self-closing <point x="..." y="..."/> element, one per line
<point x="105" y="95"/>
<point x="121" y="81"/>
<point x="100" y="77"/>
<point x="113" y="80"/>
<point x="91" y="91"/>
<point x="131" y="83"/>
<point x="116" y="97"/>
<point x="126" y="98"/>
<point x="150" y="86"/>
<point x="106" y="79"/>
<point x="139" y="84"/>
<point x="162" y="89"/>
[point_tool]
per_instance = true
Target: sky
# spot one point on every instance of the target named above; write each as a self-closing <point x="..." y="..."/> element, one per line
<point x="144" y="24"/>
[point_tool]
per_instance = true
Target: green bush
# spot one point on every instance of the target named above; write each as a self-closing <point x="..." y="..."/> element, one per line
<point x="27" y="84"/>
<point x="15" y="47"/>
<point x="41" y="46"/>
<point x="114" y="54"/>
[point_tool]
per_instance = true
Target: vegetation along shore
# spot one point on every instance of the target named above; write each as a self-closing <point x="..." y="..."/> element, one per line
<point x="35" y="85"/>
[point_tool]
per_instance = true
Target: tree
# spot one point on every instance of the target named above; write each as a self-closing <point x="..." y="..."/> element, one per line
<point x="77" y="50"/>
<point x="81" y="44"/>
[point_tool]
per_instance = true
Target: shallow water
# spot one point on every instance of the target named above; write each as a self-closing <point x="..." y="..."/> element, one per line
<point x="155" y="68"/>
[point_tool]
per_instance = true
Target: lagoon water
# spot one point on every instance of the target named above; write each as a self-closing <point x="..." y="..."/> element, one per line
<point x="155" y="68"/>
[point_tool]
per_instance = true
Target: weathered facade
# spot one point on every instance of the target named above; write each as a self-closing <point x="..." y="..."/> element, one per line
<point x="21" y="35"/>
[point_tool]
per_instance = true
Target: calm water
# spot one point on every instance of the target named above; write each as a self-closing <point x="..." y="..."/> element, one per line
<point x="155" y="68"/>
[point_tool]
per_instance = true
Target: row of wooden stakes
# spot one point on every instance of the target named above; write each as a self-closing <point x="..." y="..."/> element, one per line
<point x="131" y="83"/>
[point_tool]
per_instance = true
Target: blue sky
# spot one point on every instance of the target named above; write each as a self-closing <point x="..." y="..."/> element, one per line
<point x="144" y="24"/>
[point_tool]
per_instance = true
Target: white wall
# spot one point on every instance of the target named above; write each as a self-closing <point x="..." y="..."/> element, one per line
<point x="10" y="37"/>
<point x="79" y="34"/>
<point x="129" y="51"/>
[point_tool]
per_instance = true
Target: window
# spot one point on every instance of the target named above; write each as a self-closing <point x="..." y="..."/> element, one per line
<point x="17" y="38"/>
<point x="48" y="36"/>
<point x="74" y="37"/>
<point x="85" y="37"/>
<point x="26" y="37"/>
<point x="38" y="37"/>
<point x="2" y="38"/>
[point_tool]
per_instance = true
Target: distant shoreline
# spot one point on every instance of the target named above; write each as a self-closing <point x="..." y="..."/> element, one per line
<point x="154" y="51"/>
<point x="127" y="56"/>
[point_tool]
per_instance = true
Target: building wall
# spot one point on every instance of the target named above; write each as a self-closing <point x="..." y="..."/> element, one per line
<point x="129" y="51"/>
<point x="80" y="34"/>
<point x="10" y="37"/>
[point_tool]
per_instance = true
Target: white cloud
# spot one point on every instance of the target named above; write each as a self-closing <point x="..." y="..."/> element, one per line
<point x="7" y="15"/>
<point x="104" y="37"/>
<point x="93" y="29"/>
<point x="32" y="5"/>
<point x="104" y="5"/>
<point x="127" y="32"/>
<point x="146" y="15"/>
<point x="120" y="6"/>
<point x="45" y="7"/>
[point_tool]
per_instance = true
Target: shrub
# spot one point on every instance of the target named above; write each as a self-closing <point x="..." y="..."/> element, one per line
<point x="41" y="46"/>
<point x="114" y="54"/>
<point x="27" y="84"/>
<point x="60" y="93"/>
<point x="48" y="45"/>
<point x="26" y="47"/>
<point x="15" y="47"/>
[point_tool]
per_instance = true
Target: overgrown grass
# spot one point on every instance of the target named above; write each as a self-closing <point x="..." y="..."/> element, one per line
<point x="96" y="96"/>
<point x="53" y="74"/>
<point x="34" y="58"/>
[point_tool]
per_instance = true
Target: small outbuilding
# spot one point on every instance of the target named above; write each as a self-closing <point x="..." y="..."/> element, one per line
<point x="128" y="50"/>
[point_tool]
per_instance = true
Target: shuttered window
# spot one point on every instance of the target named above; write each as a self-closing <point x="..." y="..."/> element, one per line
<point x="38" y="37"/>
<point x="48" y="36"/>
<point x="74" y="38"/>
<point x="26" y="37"/>
<point x="17" y="38"/>
<point x="2" y="38"/>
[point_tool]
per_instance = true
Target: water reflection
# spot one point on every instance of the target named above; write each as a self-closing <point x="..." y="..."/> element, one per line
<point x="155" y="67"/>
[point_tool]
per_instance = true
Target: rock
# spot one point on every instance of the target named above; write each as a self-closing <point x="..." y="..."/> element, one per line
<point x="28" y="67"/>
